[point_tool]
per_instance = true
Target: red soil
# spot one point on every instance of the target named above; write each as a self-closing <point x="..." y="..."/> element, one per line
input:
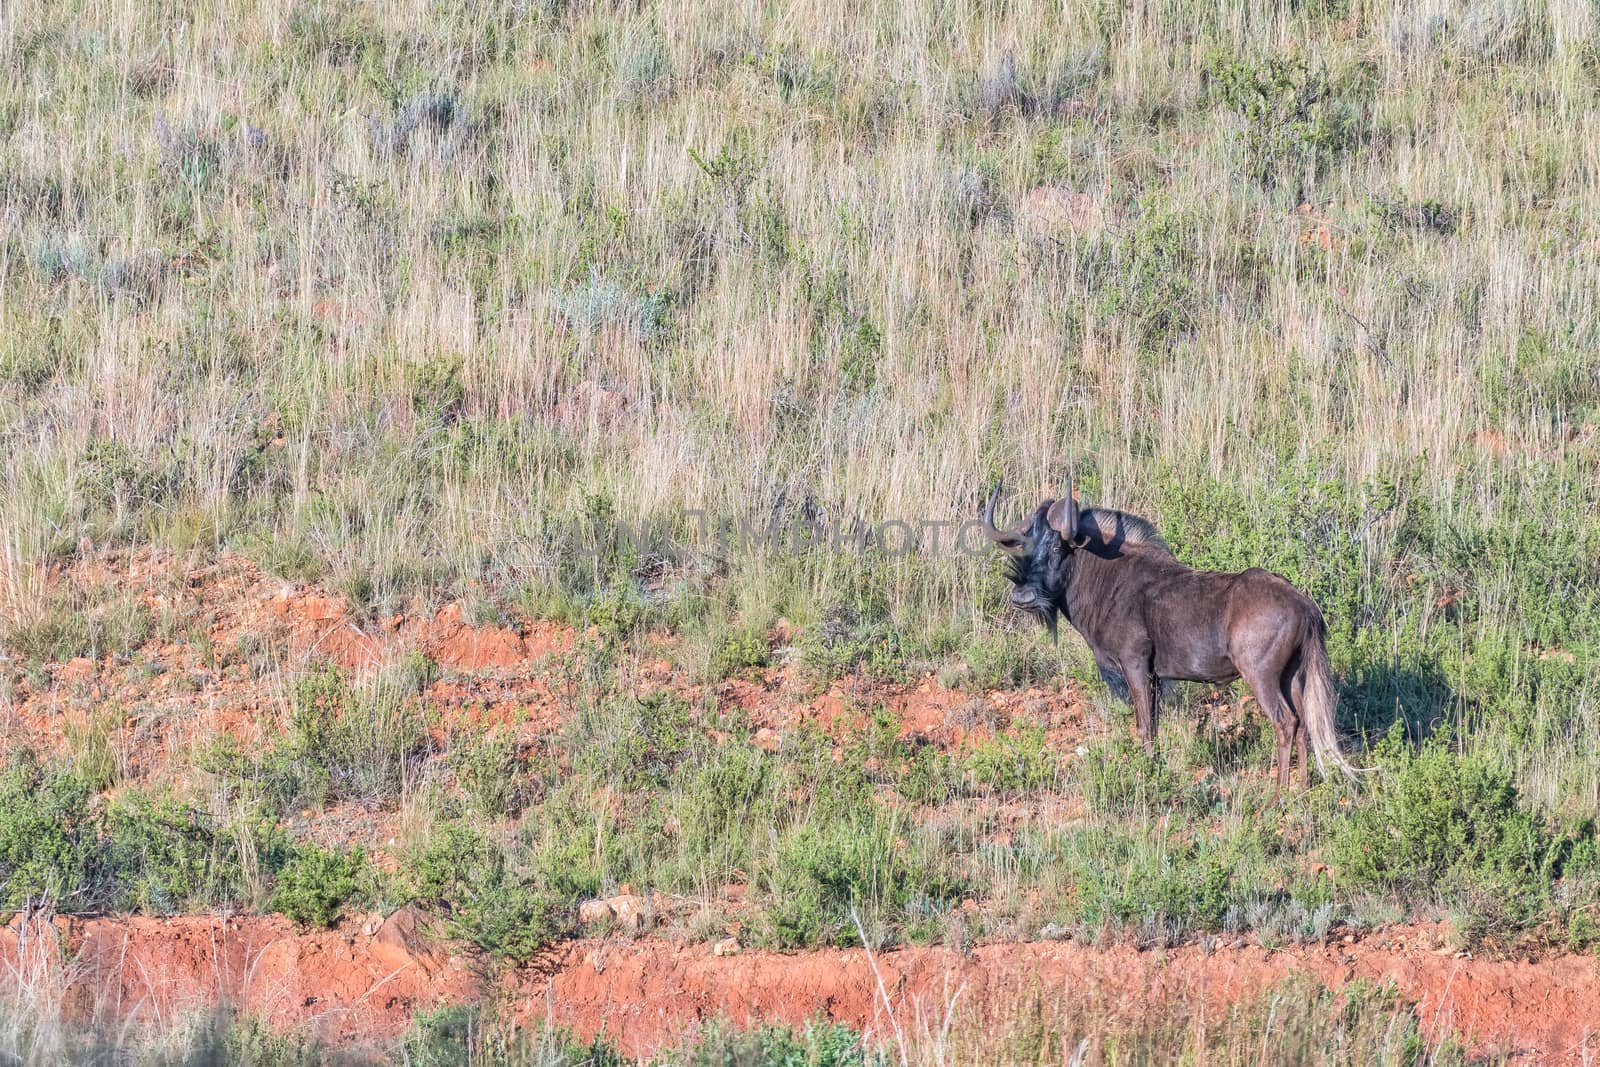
<point x="643" y="994"/>
<point x="351" y="986"/>
<point x="360" y="986"/>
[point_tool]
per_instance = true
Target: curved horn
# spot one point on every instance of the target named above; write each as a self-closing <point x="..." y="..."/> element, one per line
<point x="1063" y="514"/>
<point x="1009" y="540"/>
<point x="994" y="532"/>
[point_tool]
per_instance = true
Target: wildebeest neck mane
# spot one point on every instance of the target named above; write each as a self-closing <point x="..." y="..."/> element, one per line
<point x="1113" y="528"/>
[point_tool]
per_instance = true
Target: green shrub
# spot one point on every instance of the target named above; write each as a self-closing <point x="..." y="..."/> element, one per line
<point x="1118" y="777"/>
<point x="466" y="874"/>
<point x="1013" y="763"/>
<point x="342" y="744"/>
<point x="822" y="869"/>
<point x="739" y="651"/>
<point x="152" y="856"/>
<point x="476" y="1034"/>
<point x="1438" y="823"/>
<point x="254" y="1041"/>
<point x="849" y="640"/>
<point x="720" y="802"/>
<point x="813" y="1045"/>
<point x="488" y="772"/>
<point x="47" y="835"/>
<point x="159" y="857"/>
<point x="630" y="743"/>
<point x="1006" y="661"/>
<point x="1298" y="119"/>
<point x="1148" y="277"/>
<point x="1165" y="887"/>
<point x="314" y="886"/>
<point x="618" y="610"/>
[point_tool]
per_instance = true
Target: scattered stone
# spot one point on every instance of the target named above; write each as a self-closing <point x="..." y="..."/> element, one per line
<point x="728" y="946"/>
<point x="629" y="911"/>
<point x="594" y="911"/>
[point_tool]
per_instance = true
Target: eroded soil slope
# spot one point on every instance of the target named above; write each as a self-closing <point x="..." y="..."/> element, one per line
<point x="360" y="985"/>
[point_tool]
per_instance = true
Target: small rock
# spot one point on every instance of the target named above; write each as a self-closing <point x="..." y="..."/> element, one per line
<point x="1054" y="932"/>
<point x="629" y="911"/>
<point x="595" y="960"/>
<point x="1349" y="939"/>
<point x="371" y="925"/>
<point x="594" y="911"/>
<point x="767" y="739"/>
<point x="728" y="946"/>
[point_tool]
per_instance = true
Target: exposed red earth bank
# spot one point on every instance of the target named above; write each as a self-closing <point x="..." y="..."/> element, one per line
<point x="358" y="986"/>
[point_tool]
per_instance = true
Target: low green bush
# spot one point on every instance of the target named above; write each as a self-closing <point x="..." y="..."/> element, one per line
<point x="466" y="874"/>
<point x="315" y="885"/>
<point x="1158" y="883"/>
<point x="143" y="854"/>
<point x="853" y="638"/>
<point x="159" y="857"/>
<point x="813" y="1045"/>
<point x="822" y="869"/>
<point x="630" y="742"/>
<point x="739" y="651"/>
<point x="47" y="834"/>
<point x="1451" y="826"/>
<point x="1118" y="777"/>
<point x="489" y="772"/>
<point x="1006" y="661"/>
<point x="1012" y="763"/>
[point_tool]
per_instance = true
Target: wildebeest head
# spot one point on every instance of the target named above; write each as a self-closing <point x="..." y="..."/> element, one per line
<point x="1039" y="548"/>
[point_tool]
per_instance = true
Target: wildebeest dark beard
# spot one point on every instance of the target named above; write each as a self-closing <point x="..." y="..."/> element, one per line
<point x="1046" y="613"/>
<point x="1036" y="600"/>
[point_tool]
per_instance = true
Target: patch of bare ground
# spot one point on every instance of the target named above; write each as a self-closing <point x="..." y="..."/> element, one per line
<point x="359" y="985"/>
<point x="234" y="635"/>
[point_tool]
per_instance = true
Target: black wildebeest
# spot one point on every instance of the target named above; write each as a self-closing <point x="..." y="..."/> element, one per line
<point x="1148" y="618"/>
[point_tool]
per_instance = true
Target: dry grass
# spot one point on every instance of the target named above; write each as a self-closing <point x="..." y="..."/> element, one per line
<point x="418" y="300"/>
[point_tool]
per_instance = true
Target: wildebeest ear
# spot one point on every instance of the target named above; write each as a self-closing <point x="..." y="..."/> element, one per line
<point x="1063" y="518"/>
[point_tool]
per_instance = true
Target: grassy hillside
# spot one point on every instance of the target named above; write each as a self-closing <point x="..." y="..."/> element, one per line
<point x="517" y="303"/>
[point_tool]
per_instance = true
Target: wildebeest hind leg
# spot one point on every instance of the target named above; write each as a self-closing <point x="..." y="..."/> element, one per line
<point x="1277" y="709"/>
<point x="1294" y="692"/>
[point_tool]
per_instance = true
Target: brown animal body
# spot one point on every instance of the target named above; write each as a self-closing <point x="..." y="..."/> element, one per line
<point x="1149" y="619"/>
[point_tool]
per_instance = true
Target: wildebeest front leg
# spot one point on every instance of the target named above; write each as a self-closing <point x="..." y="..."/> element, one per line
<point x="1143" y="693"/>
